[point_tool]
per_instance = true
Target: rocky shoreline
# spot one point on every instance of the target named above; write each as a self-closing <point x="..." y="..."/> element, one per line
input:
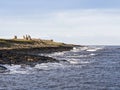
<point x="29" y="56"/>
<point x="26" y="51"/>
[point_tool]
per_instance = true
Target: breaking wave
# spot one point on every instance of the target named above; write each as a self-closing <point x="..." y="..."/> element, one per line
<point x="66" y="58"/>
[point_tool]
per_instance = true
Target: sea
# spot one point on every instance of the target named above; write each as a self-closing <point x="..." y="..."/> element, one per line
<point x="83" y="68"/>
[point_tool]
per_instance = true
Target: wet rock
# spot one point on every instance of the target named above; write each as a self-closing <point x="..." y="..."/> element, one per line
<point x="3" y="69"/>
<point x="29" y="56"/>
<point x="22" y="58"/>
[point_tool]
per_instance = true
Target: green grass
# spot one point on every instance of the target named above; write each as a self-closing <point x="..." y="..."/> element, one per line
<point x="21" y="43"/>
<point x="4" y="43"/>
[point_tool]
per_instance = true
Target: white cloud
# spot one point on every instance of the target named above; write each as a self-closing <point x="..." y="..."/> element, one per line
<point x="87" y="26"/>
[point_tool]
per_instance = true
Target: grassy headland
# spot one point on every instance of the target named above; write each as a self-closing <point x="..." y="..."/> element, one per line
<point x="34" y="43"/>
<point x="22" y="51"/>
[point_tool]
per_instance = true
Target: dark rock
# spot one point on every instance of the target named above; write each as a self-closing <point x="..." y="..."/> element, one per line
<point x="29" y="56"/>
<point x="3" y="69"/>
<point x="22" y="58"/>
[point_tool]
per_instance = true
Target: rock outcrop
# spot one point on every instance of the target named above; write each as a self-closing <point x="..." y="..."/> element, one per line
<point x="3" y="69"/>
<point x="29" y="56"/>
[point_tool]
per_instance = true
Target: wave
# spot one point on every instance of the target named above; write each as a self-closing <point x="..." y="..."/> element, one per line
<point x="78" y="56"/>
<point x="77" y="49"/>
<point x="93" y="49"/>
<point x="73" y="62"/>
<point x="92" y="54"/>
<point x="18" y="69"/>
<point x="66" y="53"/>
<point x="54" y="54"/>
<point x="26" y="69"/>
<point x="77" y="53"/>
<point x="77" y="62"/>
<point x="48" y="66"/>
<point x="74" y="56"/>
<point x="67" y="57"/>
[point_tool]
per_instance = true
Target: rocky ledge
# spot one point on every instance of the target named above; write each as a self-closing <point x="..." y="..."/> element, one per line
<point x="29" y="56"/>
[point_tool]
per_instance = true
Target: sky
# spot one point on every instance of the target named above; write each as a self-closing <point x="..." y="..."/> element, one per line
<point x="85" y="22"/>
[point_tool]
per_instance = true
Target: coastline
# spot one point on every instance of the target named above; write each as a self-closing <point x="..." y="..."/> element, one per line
<point x="29" y="56"/>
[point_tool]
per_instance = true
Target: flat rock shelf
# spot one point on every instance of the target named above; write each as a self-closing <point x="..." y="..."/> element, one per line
<point x="29" y="56"/>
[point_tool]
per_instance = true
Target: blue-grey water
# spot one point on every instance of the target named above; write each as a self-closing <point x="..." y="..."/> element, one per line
<point x="86" y="68"/>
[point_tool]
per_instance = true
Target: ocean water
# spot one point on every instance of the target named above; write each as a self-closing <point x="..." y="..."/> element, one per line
<point x="85" y="68"/>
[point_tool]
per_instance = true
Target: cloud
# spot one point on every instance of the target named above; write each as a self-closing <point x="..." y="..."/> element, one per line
<point x="86" y="26"/>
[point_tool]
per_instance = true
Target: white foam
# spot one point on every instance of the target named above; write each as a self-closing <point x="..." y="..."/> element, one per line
<point x="17" y="69"/>
<point x="48" y="66"/>
<point x="79" y="56"/>
<point x="76" y="49"/>
<point x="93" y="49"/>
<point x="57" y="54"/>
<point x="41" y="66"/>
<point x="92" y="54"/>
<point x="73" y="62"/>
<point x="53" y="54"/>
<point x="83" y="48"/>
